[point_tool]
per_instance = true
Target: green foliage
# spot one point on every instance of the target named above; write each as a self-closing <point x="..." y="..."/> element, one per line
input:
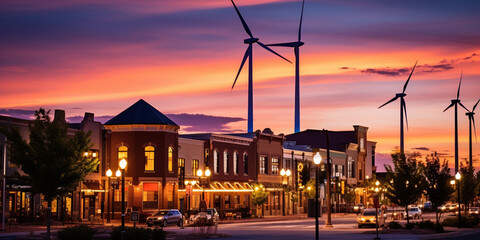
<point x="305" y="173"/>
<point x="259" y="196"/>
<point x="81" y="232"/>
<point x="54" y="161"/>
<point x="409" y="225"/>
<point x="405" y="182"/>
<point x="309" y="190"/>
<point x="138" y="234"/>
<point x="466" y="222"/>
<point x="427" y="224"/>
<point x="468" y="185"/>
<point x="394" y="225"/>
<point x="349" y="195"/>
<point x="438" y="189"/>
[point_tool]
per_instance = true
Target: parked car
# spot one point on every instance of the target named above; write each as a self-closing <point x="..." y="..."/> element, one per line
<point x="368" y="217"/>
<point x="357" y="208"/>
<point x="413" y="212"/>
<point x="427" y="206"/>
<point x="474" y="211"/>
<point x="165" y="217"/>
<point x="210" y="217"/>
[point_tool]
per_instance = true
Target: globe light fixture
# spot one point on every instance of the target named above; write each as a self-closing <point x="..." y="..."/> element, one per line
<point x="377" y="183"/>
<point x="288" y="172"/>
<point x="458" y="176"/>
<point x="282" y="172"/>
<point x="109" y="173"/>
<point x="317" y="159"/>
<point x="118" y="173"/>
<point x="199" y="172"/>
<point x="123" y="163"/>
<point x="208" y="172"/>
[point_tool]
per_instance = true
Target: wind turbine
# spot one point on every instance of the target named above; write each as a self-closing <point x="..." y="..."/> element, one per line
<point x="403" y="108"/>
<point x="456" y="102"/>
<point x="296" y="49"/>
<point x="249" y="54"/>
<point x="471" y="121"/>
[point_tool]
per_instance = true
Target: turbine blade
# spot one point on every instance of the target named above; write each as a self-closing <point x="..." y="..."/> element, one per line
<point x="301" y="20"/>
<point x="245" y="26"/>
<point x="269" y="49"/>
<point x="451" y="105"/>
<point x="247" y="54"/>
<point x="406" y="83"/>
<point x="474" y="106"/>
<point x="459" y="84"/>
<point x="463" y="106"/>
<point x="287" y="44"/>
<point x="474" y="128"/>
<point x="404" y="106"/>
<point x="391" y="100"/>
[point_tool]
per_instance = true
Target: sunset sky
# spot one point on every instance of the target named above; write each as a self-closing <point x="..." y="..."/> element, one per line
<point x="182" y="57"/>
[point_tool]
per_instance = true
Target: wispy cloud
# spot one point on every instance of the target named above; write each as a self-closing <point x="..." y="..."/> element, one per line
<point x="204" y="123"/>
<point x="17" y="113"/>
<point x="421" y="148"/>
<point x="443" y="65"/>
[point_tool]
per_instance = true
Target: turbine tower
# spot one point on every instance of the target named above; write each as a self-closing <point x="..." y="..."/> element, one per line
<point x="403" y="108"/>
<point x="296" y="49"/>
<point x="471" y="121"/>
<point x="249" y="54"/>
<point x="456" y="102"/>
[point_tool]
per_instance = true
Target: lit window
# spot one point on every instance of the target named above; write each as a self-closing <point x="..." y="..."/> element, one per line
<point x="225" y="162"/>
<point x="216" y="162"/>
<point x="274" y="166"/>
<point x="149" y="158"/>
<point x="170" y="159"/>
<point x="263" y="165"/>
<point x="181" y="165"/>
<point x="235" y="162"/>
<point x="195" y="166"/>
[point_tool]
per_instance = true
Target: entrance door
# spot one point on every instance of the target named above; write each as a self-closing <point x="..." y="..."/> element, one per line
<point x="89" y="206"/>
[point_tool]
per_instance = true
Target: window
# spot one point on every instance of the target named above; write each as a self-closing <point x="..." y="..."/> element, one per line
<point x="149" y="158"/>
<point x="245" y="163"/>
<point x="150" y="195"/>
<point x="170" y="159"/>
<point x="235" y="162"/>
<point x="362" y="144"/>
<point x="215" y="162"/>
<point x="195" y="166"/>
<point x="263" y="165"/>
<point x="340" y="170"/>
<point x="225" y="162"/>
<point x="351" y="165"/>
<point x="122" y="153"/>
<point x="181" y="165"/>
<point x="275" y="166"/>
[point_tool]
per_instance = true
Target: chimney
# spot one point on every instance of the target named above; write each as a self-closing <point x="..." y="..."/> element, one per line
<point x="59" y="116"/>
<point x="88" y="117"/>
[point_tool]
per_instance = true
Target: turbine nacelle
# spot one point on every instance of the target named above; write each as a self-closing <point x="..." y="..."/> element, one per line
<point x="470" y="114"/>
<point x="400" y="95"/>
<point x="250" y="40"/>
<point x="455" y="101"/>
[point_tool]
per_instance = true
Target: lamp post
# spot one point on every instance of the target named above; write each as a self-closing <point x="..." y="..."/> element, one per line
<point x="328" y="221"/>
<point x="118" y="174"/>
<point x="317" y="159"/>
<point x="285" y="174"/>
<point x="123" y="165"/>
<point x="458" y="176"/>
<point x="200" y="174"/>
<point x="109" y="174"/>
<point x="189" y="190"/>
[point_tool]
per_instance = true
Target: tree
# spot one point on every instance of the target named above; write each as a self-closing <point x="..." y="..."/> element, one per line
<point x="468" y="186"/>
<point x="54" y="161"/>
<point x="438" y="189"/>
<point x="309" y="190"/>
<point x="259" y="196"/>
<point x="405" y="181"/>
<point x="349" y="196"/>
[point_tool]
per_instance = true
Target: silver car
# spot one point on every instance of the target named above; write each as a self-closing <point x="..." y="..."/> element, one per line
<point x="165" y="217"/>
<point x="209" y="217"/>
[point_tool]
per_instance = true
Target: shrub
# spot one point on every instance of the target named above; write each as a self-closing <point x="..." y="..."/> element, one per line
<point x="81" y="232"/>
<point x="439" y="228"/>
<point x="394" y="225"/>
<point x="466" y="222"/>
<point x="426" y="225"/>
<point x="138" y="234"/>
<point x="409" y="225"/>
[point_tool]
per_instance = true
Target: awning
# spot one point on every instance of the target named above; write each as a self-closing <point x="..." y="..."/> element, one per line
<point x="92" y="187"/>
<point x="223" y="187"/>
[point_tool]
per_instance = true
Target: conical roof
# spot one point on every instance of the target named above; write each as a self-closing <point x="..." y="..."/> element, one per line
<point x="141" y="113"/>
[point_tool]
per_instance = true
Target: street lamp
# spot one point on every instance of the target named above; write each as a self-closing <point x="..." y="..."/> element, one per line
<point x="458" y="176"/>
<point x="317" y="159"/>
<point x="123" y="165"/>
<point x="284" y="174"/>
<point x="109" y="174"/>
<point x="200" y="174"/>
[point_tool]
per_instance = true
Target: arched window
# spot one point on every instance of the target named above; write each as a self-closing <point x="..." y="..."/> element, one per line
<point x="215" y="162"/>
<point x="122" y="153"/>
<point x="235" y="162"/>
<point x="245" y="163"/>
<point x="225" y="162"/>
<point x="170" y="159"/>
<point x="149" y="158"/>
